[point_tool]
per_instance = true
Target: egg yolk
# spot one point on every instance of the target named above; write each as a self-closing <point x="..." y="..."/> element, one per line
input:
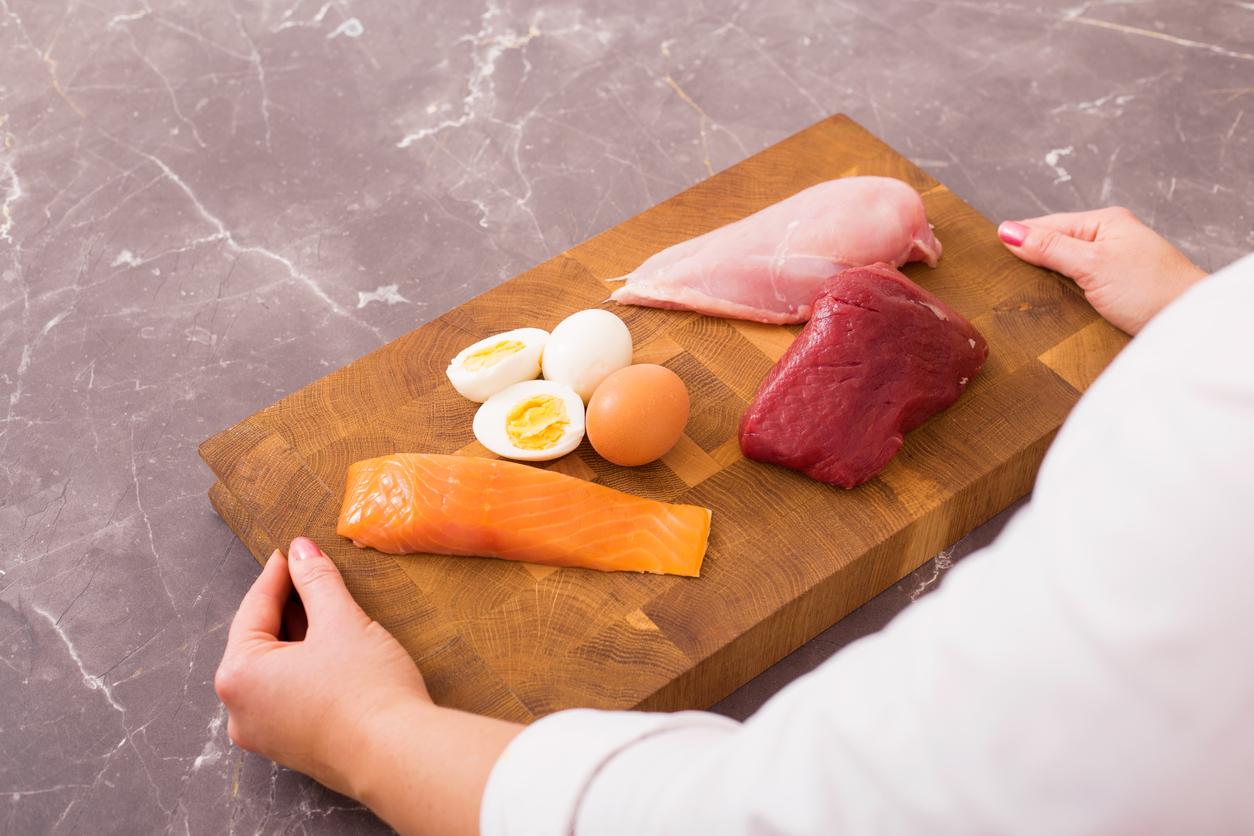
<point x="537" y="422"/>
<point x="491" y="355"/>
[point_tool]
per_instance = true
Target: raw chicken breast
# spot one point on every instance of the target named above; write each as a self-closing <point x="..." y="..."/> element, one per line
<point x="879" y="356"/>
<point x="768" y="267"/>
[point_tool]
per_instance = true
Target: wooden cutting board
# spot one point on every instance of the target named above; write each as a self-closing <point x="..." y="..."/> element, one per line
<point x="788" y="556"/>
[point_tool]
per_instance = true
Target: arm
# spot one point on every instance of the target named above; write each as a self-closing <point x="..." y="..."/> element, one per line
<point x="1126" y="270"/>
<point x="1076" y="677"/>
<point x="344" y="703"/>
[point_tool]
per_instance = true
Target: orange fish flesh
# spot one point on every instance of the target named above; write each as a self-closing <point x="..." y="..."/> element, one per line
<point x="456" y="505"/>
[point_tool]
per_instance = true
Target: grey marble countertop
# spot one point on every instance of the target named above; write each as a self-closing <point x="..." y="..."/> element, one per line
<point x="208" y="205"/>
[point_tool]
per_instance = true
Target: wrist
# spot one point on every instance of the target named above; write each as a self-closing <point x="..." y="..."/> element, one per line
<point x="422" y="768"/>
<point x="377" y="756"/>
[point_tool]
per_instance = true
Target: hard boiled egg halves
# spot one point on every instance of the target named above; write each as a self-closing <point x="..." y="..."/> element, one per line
<point x="488" y="366"/>
<point x="535" y="420"/>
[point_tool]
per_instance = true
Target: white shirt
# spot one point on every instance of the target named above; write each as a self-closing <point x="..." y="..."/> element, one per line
<point x="1090" y="672"/>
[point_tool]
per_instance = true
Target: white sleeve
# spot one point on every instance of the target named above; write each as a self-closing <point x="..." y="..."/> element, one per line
<point x="1090" y="672"/>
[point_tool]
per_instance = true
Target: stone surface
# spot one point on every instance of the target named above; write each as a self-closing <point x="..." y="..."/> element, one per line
<point x="206" y="206"/>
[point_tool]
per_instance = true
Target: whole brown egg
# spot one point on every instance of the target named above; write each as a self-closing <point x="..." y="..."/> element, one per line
<point x="637" y="414"/>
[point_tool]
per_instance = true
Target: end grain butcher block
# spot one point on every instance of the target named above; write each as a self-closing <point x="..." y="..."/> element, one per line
<point x="788" y="556"/>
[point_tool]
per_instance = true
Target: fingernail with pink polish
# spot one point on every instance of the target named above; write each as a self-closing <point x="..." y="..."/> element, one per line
<point x="302" y="548"/>
<point x="1012" y="233"/>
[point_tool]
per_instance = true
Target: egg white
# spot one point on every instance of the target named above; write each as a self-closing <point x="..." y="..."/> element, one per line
<point x="585" y="348"/>
<point x="480" y="384"/>
<point x="490" y="420"/>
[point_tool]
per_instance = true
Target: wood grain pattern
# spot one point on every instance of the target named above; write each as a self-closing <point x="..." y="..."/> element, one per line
<point x="788" y="556"/>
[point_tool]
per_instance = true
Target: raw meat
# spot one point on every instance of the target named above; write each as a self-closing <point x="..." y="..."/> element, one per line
<point x="411" y="502"/>
<point x="879" y="356"/>
<point x="769" y="266"/>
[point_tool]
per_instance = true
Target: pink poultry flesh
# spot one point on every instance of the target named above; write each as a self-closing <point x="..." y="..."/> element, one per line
<point x="768" y="266"/>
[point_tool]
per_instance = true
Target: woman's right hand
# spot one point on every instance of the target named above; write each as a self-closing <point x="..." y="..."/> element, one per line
<point x="320" y="687"/>
<point x="1127" y="271"/>
<point x="305" y="683"/>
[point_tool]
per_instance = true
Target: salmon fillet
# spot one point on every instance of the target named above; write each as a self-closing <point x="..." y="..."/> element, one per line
<point x="415" y="502"/>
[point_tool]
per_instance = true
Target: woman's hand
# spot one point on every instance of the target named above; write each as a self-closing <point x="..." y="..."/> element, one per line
<point x="325" y="690"/>
<point x="1127" y="271"/>
<point x="305" y="702"/>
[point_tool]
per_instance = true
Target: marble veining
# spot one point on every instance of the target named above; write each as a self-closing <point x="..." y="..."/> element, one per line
<point x="205" y="206"/>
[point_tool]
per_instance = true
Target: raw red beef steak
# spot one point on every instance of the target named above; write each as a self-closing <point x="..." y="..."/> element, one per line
<point x="878" y="357"/>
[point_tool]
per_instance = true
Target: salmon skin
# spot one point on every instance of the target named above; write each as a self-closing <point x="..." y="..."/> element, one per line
<point x="416" y="502"/>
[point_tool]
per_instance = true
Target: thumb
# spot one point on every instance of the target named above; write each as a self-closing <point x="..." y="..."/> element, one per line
<point x="1045" y="247"/>
<point x="319" y="584"/>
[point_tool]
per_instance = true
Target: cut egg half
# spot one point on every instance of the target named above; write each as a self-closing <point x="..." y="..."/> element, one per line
<point x="535" y="420"/>
<point x="481" y="370"/>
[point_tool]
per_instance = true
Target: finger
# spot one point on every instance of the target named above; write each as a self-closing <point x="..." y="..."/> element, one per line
<point x="1046" y="247"/>
<point x="1084" y="226"/>
<point x="261" y="610"/>
<point x="320" y="586"/>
